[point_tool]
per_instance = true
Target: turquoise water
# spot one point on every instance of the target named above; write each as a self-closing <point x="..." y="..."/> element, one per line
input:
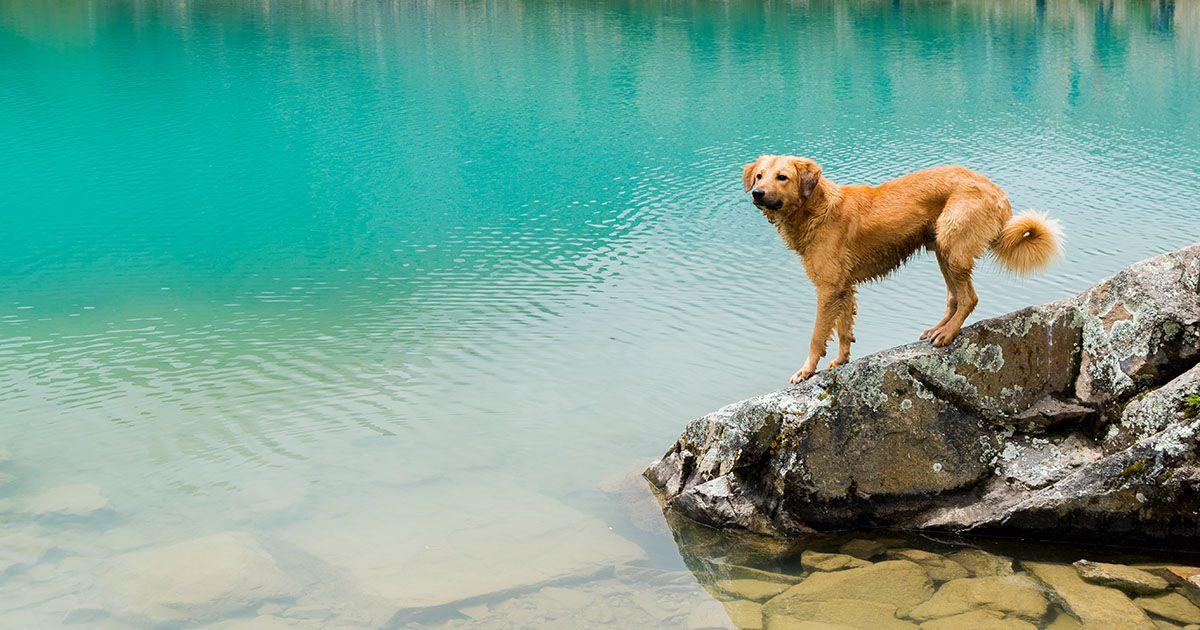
<point x="429" y="272"/>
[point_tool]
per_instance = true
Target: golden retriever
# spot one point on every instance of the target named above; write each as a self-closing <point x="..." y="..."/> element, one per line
<point x="851" y="234"/>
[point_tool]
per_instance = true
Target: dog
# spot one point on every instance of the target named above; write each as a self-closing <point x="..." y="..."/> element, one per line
<point x="848" y="234"/>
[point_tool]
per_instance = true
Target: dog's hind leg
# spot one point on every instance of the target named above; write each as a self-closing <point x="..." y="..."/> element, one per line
<point x="960" y="274"/>
<point x="847" y="308"/>
<point x="965" y="229"/>
<point x="951" y="296"/>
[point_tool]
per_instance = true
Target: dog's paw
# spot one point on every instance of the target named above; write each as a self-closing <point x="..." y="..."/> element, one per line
<point x="942" y="338"/>
<point x="928" y="334"/>
<point x="801" y="375"/>
<point x="838" y="362"/>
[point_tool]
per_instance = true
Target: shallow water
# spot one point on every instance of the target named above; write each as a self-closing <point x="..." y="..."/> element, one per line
<point x="394" y="287"/>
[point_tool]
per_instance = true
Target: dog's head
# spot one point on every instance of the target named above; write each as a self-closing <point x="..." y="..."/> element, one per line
<point x="779" y="184"/>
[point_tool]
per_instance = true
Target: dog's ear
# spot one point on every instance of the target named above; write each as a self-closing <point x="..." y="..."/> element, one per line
<point x="748" y="174"/>
<point x="808" y="175"/>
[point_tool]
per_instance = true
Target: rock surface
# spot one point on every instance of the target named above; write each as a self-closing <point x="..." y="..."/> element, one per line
<point x="818" y="561"/>
<point x="1095" y="606"/>
<point x="897" y="583"/>
<point x="1006" y="595"/>
<point x="939" y="569"/>
<point x="73" y="501"/>
<point x="423" y="555"/>
<point x="833" y="613"/>
<point x="753" y="590"/>
<point x="1129" y="579"/>
<point x="1171" y="606"/>
<point x="205" y="578"/>
<point x="1078" y="417"/>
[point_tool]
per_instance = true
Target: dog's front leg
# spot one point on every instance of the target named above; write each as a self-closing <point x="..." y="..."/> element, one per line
<point x="822" y="329"/>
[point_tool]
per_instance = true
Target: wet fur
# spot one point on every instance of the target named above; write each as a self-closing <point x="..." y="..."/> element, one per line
<point x="851" y="234"/>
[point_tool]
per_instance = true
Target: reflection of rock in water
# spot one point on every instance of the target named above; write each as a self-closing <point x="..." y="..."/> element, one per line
<point x="899" y="581"/>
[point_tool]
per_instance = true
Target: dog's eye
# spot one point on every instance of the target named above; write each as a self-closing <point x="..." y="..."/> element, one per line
<point x="759" y="176"/>
<point x="782" y="178"/>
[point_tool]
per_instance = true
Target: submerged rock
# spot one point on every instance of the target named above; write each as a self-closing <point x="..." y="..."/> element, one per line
<point x="1006" y="595"/>
<point x="1171" y="606"/>
<point x="833" y="613"/>
<point x="424" y="554"/>
<point x="1129" y="579"/>
<point x="752" y="590"/>
<point x="745" y="615"/>
<point x="897" y="583"/>
<point x="72" y="501"/>
<point x="1095" y="606"/>
<point x="940" y="569"/>
<point x="1076" y="417"/>
<point x="206" y="578"/>
<point x="981" y="563"/>
<point x="977" y="620"/>
<point x="19" y="550"/>
<point x="818" y="561"/>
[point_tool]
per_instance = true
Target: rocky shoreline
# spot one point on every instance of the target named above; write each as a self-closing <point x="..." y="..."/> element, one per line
<point x="1075" y="419"/>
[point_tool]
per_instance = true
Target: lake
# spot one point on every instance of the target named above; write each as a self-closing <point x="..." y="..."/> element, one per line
<point x="379" y="307"/>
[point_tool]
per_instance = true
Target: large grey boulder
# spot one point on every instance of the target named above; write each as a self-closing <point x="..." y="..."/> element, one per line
<point x="1078" y="416"/>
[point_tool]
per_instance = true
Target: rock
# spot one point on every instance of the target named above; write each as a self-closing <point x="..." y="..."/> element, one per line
<point x="793" y="614"/>
<point x="427" y="553"/>
<point x="476" y="612"/>
<point x="753" y="590"/>
<point x="635" y="497"/>
<point x="1128" y="579"/>
<point x="784" y="623"/>
<point x="896" y="583"/>
<point x="19" y="551"/>
<point x="940" y="569"/>
<point x="981" y="563"/>
<point x="80" y="500"/>
<point x="1012" y="594"/>
<point x="1171" y="606"/>
<point x="724" y="571"/>
<point x="602" y="602"/>
<point x="1186" y="578"/>
<point x="863" y="549"/>
<point x="745" y="615"/>
<point x="709" y="615"/>
<point x="977" y="620"/>
<point x="1173" y="573"/>
<point x="1095" y="606"/>
<point x="1063" y="420"/>
<point x="263" y="622"/>
<point x="206" y="578"/>
<point x="1063" y="621"/>
<point x="818" y="561"/>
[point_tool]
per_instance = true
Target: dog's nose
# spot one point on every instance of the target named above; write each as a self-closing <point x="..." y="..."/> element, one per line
<point x="758" y="194"/>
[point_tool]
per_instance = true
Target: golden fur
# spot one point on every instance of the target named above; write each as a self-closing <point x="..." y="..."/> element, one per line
<point x="851" y="234"/>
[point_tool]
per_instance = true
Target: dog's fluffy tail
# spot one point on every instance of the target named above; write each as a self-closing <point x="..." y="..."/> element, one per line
<point x="1028" y="242"/>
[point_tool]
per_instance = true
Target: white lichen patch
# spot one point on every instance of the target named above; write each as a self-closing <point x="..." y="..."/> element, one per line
<point x="1176" y="440"/>
<point x="1020" y="326"/>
